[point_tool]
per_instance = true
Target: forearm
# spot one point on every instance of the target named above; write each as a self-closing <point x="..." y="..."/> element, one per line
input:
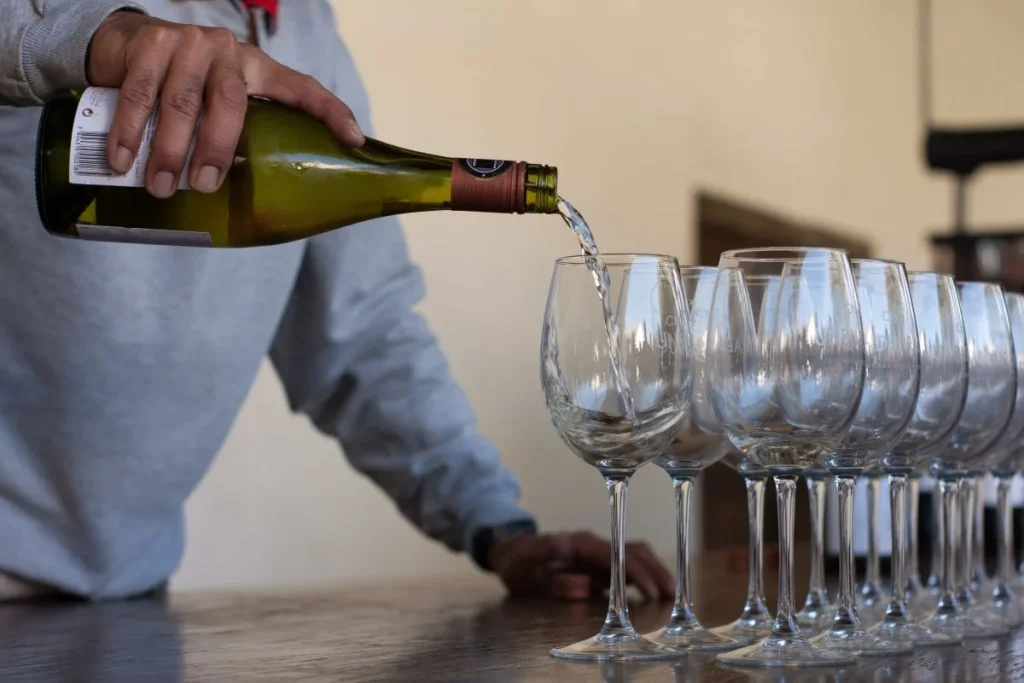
<point x="43" y="45"/>
<point x="357" y="359"/>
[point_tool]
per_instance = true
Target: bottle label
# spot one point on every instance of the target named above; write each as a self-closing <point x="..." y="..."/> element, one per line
<point x="484" y="168"/>
<point x="175" y="238"/>
<point x="93" y="119"/>
<point x="489" y="185"/>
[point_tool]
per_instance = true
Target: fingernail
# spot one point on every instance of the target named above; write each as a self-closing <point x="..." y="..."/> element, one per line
<point x="163" y="185"/>
<point x="208" y="179"/>
<point x="122" y="159"/>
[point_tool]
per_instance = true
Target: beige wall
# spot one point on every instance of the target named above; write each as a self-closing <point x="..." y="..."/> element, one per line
<point x="807" y="107"/>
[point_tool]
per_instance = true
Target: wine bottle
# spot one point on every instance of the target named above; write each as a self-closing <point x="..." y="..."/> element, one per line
<point x="290" y="180"/>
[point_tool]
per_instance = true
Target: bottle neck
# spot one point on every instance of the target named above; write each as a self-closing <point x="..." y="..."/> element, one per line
<point x="503" y="186"/>
<point x="541" y="189"/>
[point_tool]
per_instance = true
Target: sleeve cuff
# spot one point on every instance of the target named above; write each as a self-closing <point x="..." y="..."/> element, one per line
<point x="53" y="49"/>
<point x="494" y="515"/>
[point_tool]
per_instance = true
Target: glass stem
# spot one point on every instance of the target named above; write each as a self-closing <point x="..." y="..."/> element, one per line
<point x="913" y="565"/>
<point x="817" y="595"/>
<point x="846" y="614"/>
<point x="873" y="573"/>
<point x="938" y="540"/>
<point x="979" y="574"/>
<point x="755" y="605"/>
<point x="617" y="620"/>
<point x="897" y="609"/>
<point x="966" y="547"/>
<point x="947" y="526"/>
<point x="1003" y="594"/>
<point x="785" y="625"/>
<point x="682" y="610"/>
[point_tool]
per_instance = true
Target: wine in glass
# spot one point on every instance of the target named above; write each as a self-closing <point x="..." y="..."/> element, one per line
<point x="651" y="332"/>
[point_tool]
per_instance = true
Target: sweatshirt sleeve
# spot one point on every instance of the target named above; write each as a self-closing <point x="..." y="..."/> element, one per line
<point x="355" y="356"/>
<point x="43" y="45"/>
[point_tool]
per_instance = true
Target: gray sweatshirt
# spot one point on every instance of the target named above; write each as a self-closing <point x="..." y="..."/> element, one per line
<point x="122" y="366"/>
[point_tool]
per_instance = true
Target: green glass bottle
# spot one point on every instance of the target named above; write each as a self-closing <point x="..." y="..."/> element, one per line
<point x="291" y="180"/>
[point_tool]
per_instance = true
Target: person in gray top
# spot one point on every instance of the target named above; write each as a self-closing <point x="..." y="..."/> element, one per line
<point x="122" y="367"/>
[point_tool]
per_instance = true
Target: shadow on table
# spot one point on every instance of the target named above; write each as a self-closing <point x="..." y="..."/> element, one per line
<point x="65" y="640"/>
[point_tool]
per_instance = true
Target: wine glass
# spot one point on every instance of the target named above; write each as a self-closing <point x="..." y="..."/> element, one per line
<point x="891" y="380"/>
<point x="933" y="586"/>
<point x="980" y="581"/>
<point x="816" y="615"/>
<point x="1000" y="603"/>
<point x="785" y="368"/>
<point x="915" y="590"/>
<point x="1004" y="478"/>
<point x="698" y="444"/>
<point x="755" y="621"/>
<point x="942" y="391"/>
<point x="991" y="395"/>
<point x="871" y="591"/>
<point x="599" y="354"/>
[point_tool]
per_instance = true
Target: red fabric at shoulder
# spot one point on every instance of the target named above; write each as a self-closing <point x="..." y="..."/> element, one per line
<point x="269" y="6"/>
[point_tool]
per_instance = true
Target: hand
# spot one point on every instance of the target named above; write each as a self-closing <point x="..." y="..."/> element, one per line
<point x="189" y="67"/>
<point x="574" y="567"/>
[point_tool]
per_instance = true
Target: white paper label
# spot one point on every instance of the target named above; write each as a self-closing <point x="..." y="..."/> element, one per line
<point x="174" y="238"/>
<point x="93" y="120"/>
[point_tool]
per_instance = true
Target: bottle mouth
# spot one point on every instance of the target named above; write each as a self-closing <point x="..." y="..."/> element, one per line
<point x="541" y="189"/>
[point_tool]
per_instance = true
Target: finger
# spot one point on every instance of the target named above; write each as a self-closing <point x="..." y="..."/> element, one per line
<point x="570" y="587"/>
<point x="267" y="78"/>
<point x="139" y="91"/>
<point x="638" y="573"/>
<point x="181" y="102"/>
<point x="591" y="552"/>
<point x="221" y="125"/>
<point x="596" y="552"/>
<point x="659" y="572"/>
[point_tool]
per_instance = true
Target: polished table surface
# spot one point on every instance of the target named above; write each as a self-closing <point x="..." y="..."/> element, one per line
<point x="427" y="631"/>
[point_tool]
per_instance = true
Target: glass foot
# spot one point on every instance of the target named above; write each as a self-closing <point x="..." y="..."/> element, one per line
<point x="915" y="635"/>
<point x="746" y="630"/>
<point x="922" y="603"/>
<point x="871" y="613"/>
<point x="793" y="651"/>
<point x="983" y="587"/>
<point x="991" y="622"/>
<point x="858" y="641"/>
<point x="1008" y="612"/>
<point x="692" y="638"/>
<point x="959" y="624"/>
<point x="815" y="620"/>
<point x="925" y="604"/>
<point x="620" y="646"/>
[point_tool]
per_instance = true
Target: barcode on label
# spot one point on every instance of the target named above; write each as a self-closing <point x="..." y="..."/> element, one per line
<point x="91" y="155"/>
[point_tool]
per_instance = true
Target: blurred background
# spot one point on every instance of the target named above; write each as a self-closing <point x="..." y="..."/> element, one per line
<point x="678" y="126"/>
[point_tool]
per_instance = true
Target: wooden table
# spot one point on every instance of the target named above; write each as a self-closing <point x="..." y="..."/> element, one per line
<point x="413" y="633"/>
